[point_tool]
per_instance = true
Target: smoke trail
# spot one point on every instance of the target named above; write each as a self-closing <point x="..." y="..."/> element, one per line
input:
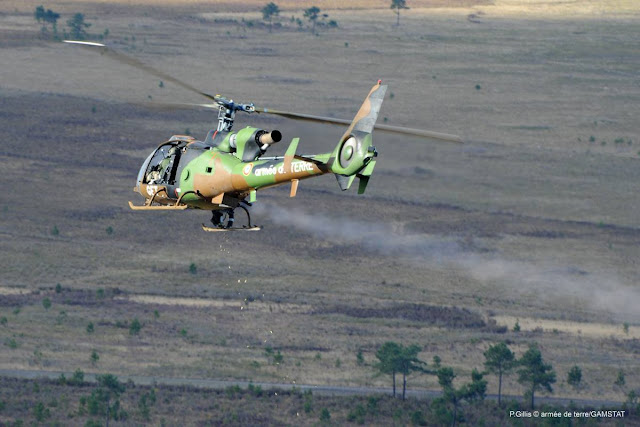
<point x="543" y="279"/>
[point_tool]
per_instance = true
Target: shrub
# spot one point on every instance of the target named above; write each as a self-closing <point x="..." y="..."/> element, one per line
<point x="40" y="412"/>
<point x="46" y="303"/>
<point x="94" y="357"/>
<point x="574" y="377"/>
<point x="417" y="419"/>
<point x="134" y="328"/>
<point x="77" y="378"/>
<point x="325" y="415"/>
<point x="620" y="380"/>
<point x="357" y="415"/>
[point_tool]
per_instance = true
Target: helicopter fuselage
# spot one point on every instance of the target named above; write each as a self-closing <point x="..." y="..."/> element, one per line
<point x="219" y="172"/>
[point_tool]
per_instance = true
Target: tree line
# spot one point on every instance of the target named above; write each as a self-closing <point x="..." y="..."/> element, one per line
<point x="76" y="24"/>
<point x="533" y="373"/>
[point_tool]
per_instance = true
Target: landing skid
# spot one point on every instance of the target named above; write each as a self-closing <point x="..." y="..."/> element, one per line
<point x="215" y="229"/>
<point x="218" y="221"/>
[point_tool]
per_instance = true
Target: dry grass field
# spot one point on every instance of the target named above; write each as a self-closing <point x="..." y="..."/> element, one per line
<point x="533" y="220"/>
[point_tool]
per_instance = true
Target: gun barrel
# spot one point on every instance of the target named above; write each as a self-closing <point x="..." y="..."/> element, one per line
<point x="270" y="137"/>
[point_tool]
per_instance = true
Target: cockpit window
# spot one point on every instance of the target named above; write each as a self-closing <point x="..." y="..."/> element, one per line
<point x="163" y="164"/>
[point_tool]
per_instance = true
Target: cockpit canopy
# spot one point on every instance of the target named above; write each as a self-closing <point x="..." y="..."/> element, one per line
<point x="161" y="165"/>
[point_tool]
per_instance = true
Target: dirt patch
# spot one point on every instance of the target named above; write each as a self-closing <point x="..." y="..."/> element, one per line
<point x="13" y="291"/>
<point x="217" y="303"/>
<point x="592" y="330"/>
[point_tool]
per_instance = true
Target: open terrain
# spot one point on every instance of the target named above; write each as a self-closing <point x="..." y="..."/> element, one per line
<point x="534" y="220"/>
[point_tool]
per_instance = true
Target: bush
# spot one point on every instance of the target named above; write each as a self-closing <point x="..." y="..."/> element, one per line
<point x="325" y="415"/>
<point x="94" y="357"/>
<point x="134" y="328"/>
<point x="46" y="303"/>
<point x="40" y="412"/>
<point x="357" y="415"/>
<point x="255" y="390"/>
<point x="77" y="378"/>
<point x="516" y="327"/>
<point x="417" y="419"/>
<point x="574" y="377"/>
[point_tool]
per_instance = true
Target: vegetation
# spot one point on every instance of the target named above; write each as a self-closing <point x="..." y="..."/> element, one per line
<point x="394" y="358"/>
<point x="78" y="27"/>
<point x="269" y="11"/>
<point x="94" y="357"/>
<point x="574" y="376"/>
<point x="499" y="359"/>
<point x="387" y="355"/>
<point x="312" y="16"/>
<point x="534" y="373"/>
<point x="135" y="327"/>
<point x="448" y="407"/>
<point x="620" y="379"/>
<point x="105" y="399"/>
<point x="47" y="17"/>
<point x="398" y="5"/>
<point x="80" y="403"/>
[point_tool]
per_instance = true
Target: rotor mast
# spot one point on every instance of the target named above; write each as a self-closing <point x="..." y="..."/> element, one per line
<point x="227" y="112"/>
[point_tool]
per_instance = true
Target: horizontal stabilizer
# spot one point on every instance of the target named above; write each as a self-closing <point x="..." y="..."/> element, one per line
<point x="345" y="181"/>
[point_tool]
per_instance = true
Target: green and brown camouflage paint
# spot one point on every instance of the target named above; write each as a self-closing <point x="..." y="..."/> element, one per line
<point x="215" y="176"/>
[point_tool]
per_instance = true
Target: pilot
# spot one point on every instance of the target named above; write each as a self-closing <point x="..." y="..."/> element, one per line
<point x="153" y="176"/>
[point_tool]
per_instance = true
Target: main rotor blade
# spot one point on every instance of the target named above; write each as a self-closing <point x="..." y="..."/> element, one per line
<point x="173" y="106"/>
<point x="381" y="127"/>
<point x="126" y="59"/>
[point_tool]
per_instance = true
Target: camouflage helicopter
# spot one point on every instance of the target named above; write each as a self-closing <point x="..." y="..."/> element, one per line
<point x="225" y="171"/>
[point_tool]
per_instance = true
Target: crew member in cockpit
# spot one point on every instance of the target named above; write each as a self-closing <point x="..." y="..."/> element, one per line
<point x="159" y="172"/>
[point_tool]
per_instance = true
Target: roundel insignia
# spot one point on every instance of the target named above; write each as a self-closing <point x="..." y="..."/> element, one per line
<point x="247" y="169"/>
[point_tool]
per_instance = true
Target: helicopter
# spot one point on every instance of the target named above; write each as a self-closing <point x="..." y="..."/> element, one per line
<point x="225" y="171"/>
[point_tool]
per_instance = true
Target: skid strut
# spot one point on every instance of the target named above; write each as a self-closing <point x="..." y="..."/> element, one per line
<point x="218" y="220"/>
